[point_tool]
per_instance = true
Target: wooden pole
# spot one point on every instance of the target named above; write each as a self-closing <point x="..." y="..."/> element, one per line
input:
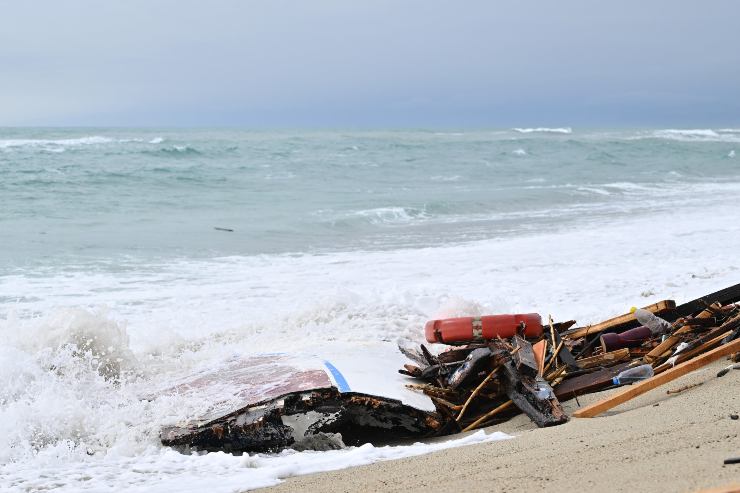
<point x="476" y="392"/>
<point x="485" y="417"/>
<point x="669" y="375"/>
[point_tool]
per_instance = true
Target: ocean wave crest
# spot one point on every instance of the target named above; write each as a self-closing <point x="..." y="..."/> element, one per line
<point x="391" y="215"/>
<point x="692" y="135"/>
<point x="558" y="130"/>
<point x="175" y="150"/>
<point x="82" y="141"/>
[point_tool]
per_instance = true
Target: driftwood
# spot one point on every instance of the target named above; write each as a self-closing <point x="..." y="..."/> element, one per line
<point x="476" y="391"/>
<point x="605" y="359"/>
<point x="477" y="361"/>
<point x="524" y="359"/>
<point x="481" y="383"/>
<point x="565" y="355"/>
<point x="539" y="350"/>
<point x="623" y="322"/>
<point x="649" y="384"/>
<point x="527" y="395"/>
<point x="723" y="297"/>
<point x="591" y="382"/>
<point x="681" y="389"/>
<point x="488" y="416"/>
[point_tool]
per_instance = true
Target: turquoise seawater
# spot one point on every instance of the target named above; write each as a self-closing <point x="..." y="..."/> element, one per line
<point x="343" y="244"/>
<point x="82" y="195"/>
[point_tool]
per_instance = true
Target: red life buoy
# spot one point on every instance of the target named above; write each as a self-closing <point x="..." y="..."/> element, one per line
<point x="469" y="329"/>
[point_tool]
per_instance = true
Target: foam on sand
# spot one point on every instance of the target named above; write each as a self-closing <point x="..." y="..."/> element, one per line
<point x="168" y="470"/>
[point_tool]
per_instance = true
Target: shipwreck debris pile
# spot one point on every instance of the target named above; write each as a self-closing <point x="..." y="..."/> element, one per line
<point x="486" y="381"/>
<point x="493" y="367"/>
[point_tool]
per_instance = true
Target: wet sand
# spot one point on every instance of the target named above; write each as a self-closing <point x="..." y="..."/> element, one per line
<point x="656" y="442"/>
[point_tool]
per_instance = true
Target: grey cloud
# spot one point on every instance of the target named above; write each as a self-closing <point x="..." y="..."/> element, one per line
<point x="370" y="63"/>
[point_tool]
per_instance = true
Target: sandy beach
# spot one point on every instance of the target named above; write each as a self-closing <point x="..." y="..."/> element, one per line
<point x="657" y="442"/>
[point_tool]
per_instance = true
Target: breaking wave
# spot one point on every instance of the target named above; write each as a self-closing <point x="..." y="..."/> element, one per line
<point x="82" y="141"/>
<point x="558" y="130"/>
<point x="175" y="150"/>
<point x="391" y="215"/>
<point x="692" y="135"/>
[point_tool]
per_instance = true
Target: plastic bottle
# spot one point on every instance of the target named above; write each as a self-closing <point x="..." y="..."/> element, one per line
<point x="635" y="374"/>
<point x="656" y="324"/>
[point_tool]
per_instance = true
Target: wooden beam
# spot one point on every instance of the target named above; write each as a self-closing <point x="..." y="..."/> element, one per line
<point x="665" y="346"/>
<point x="690" y="353"/>
<point x="605" y="359"/>
<point x="590" y="382"/>
<point x="539" y="355"/>
<point x="624" y="321"/>
<point x="723" y="296"/>
<point x="669" y="375"/>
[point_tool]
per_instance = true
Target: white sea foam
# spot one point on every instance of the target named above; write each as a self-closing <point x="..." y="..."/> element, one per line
<point x="559" y="130"/>
<point x="731" y="153"/>
<point x="82" y="141"/>
<point x="593" y="190"/>
<point x="391" y="215"/>
<point x="64" y="422"/>
<point x="81" y="345"/>
<point x="168" y="471"/>
<point x="446" y="178"/>
<point x="519" y="152"/>
<point x="156" y="140"/>
<point x="690" y="135"/>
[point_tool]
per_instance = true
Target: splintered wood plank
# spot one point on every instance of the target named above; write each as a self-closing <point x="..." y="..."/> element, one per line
<point x="539" y="350"/>
<point x="640" y="388"/>
<point x="605" y="359"/>
<point x="622" y="320"/>
<point x="590" y="382"/>
<point x="723" y="296"/>
<point x="665" y="346"/>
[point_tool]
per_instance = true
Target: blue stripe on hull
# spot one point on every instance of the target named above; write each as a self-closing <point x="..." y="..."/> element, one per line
<point x="342" y="384"/>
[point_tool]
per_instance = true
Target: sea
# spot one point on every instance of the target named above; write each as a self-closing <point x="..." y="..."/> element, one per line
<point x="130" y="258"/>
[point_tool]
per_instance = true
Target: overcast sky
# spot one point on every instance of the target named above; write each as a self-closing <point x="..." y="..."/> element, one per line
<point x="369" y="63"/>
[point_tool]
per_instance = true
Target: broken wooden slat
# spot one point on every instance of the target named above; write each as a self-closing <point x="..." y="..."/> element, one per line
<point x="524" y="359"/>
<point x="475" y="393"/>
<point x="685" y="387"/>
<point x="723" y="296"/>
<point x="476" y="361"/>
<point x="621" y="322"/>
<point x="563" y="326"/>
<point x="651" y="383"/>
<point x="539" y="350"/>
<point x="664" y="347"/>
<point x="672" y="339"/>
<point x="414" y="355"/>
<point x="565" y="355"/>
<point x="690" y="353"/>
<point x="605" y="359"/>
<point x="554" y="357"/>
<point x="489" y="415"/>
<point x="523" y="390"/>
<point x="457" y="354"/>
<point x="590" y="382"/>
